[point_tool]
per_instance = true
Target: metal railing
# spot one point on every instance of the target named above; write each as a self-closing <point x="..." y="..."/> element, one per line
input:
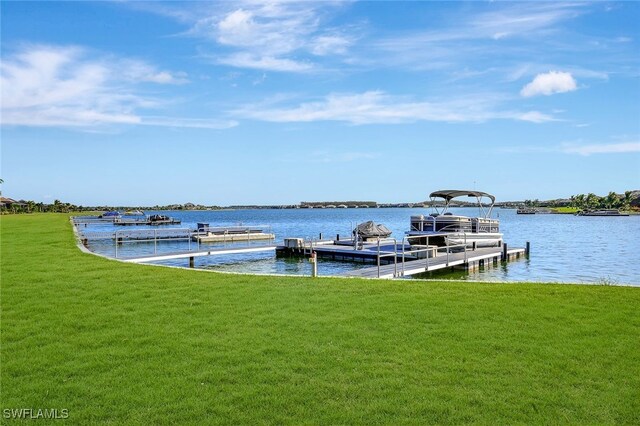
<point x="428" y="250"/>
<point x="232" y="243"/>
<point x="474" y="225"/>
<point x="381" y="254"/>
<point x="235" y="234"/>
<point x="152" y="235"/>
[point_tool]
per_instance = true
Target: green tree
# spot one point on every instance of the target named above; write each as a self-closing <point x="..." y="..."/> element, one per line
<point x="592" y="201"/>
<point x="611" y="201"/>
<point x="626" y="200"/>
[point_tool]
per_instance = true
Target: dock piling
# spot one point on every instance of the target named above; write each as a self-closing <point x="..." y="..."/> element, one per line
<point x="314" y="264"/>
<point x="527" y="249"/>
<point x="504" y="252"/>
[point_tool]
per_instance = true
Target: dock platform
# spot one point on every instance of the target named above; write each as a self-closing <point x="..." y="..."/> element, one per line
<point x="468" y="260"/>
<point x="145" y="221"/>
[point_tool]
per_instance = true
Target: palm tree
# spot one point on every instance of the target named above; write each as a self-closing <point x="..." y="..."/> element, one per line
<point x="611" y="200"/>
<point x="626" y="201"/>
<point x="592" y="201"/>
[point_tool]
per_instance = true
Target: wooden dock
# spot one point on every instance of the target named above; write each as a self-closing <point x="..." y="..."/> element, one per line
<point x="468" y="260"/>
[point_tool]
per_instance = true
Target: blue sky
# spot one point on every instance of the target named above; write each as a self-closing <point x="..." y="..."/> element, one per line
<point x="144" y="103"/>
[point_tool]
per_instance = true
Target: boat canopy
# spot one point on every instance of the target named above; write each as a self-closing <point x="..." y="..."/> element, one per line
<point x="449" y="194"/>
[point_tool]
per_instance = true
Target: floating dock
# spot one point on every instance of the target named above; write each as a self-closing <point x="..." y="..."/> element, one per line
<point x="231" y="234"/>
<point x="391" y="258"/>
<point x="469" y="260"/>
<point x="396" y="260"/>
<point x="145" y="221"/>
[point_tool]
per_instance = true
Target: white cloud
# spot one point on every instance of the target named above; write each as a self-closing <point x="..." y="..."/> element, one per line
<point x="549" y="83"/>
<point x="378" y="107"/>
<point x="522" y="19"/>
<point x="197" y="123"/>
<point x="138" y="71"/>
<point x="616" y="148"/>
<point x="330" y="45"/>
<point x="249" y="60"/>
<point x="270" y="36"/>
<point x="535" y="117"/>
<point x="67" y="87"/>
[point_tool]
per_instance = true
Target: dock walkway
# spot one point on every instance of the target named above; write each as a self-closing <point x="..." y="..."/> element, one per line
<point x="469" y="260"/>
<point x="198" y="253"/>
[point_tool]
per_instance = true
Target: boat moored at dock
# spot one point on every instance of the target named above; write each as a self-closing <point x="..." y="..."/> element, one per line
<point x="443" y="228"/>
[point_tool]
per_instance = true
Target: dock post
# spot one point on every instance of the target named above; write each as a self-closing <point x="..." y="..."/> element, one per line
<point x="378" y="257"/>
<point x="314" y="264"/>
<point x="504" y="252"/>
<point x="337" y="237"/>
<point x="527" y="249"/>
<point x="320" y="237"/>
<point x="191" y="262"/>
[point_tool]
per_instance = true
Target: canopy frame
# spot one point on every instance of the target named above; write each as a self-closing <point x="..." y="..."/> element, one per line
<point x="449" y="194"/>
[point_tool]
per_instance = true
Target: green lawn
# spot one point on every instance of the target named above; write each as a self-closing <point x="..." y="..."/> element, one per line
<point x="566" y="210"/>
<point x="122" y="343"/>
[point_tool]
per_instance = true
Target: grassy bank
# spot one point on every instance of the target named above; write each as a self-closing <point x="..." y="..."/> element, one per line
<point x="565" y="210"/>
<point x="124" y="343"/>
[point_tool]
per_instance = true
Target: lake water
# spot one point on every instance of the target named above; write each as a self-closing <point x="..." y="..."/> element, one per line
<point x="564" y="248"/>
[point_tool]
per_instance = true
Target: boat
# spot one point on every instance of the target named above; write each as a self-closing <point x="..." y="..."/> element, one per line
<point x="370" y="230"/>
<point x="160" y="219"/>
<point x="443" y="228"/>
<point x="605" y="212"/>
<point x="526" y="211"/>
<point x="110" y="215"/>
<point x="134" y="213"/>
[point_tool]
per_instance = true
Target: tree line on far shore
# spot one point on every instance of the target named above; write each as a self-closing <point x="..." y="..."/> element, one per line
<point x="591" y="201"/>
<point x="612" y="200"/>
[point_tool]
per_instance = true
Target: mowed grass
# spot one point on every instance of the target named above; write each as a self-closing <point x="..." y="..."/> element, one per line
<point x="566" y="210"/>
<point x="135" y="344"/>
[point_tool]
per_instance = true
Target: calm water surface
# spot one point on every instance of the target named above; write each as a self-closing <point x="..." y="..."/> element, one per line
<point x="564" y="248"/>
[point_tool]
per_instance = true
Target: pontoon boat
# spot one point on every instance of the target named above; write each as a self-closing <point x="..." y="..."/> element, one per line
<point x="443" y="228"/>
